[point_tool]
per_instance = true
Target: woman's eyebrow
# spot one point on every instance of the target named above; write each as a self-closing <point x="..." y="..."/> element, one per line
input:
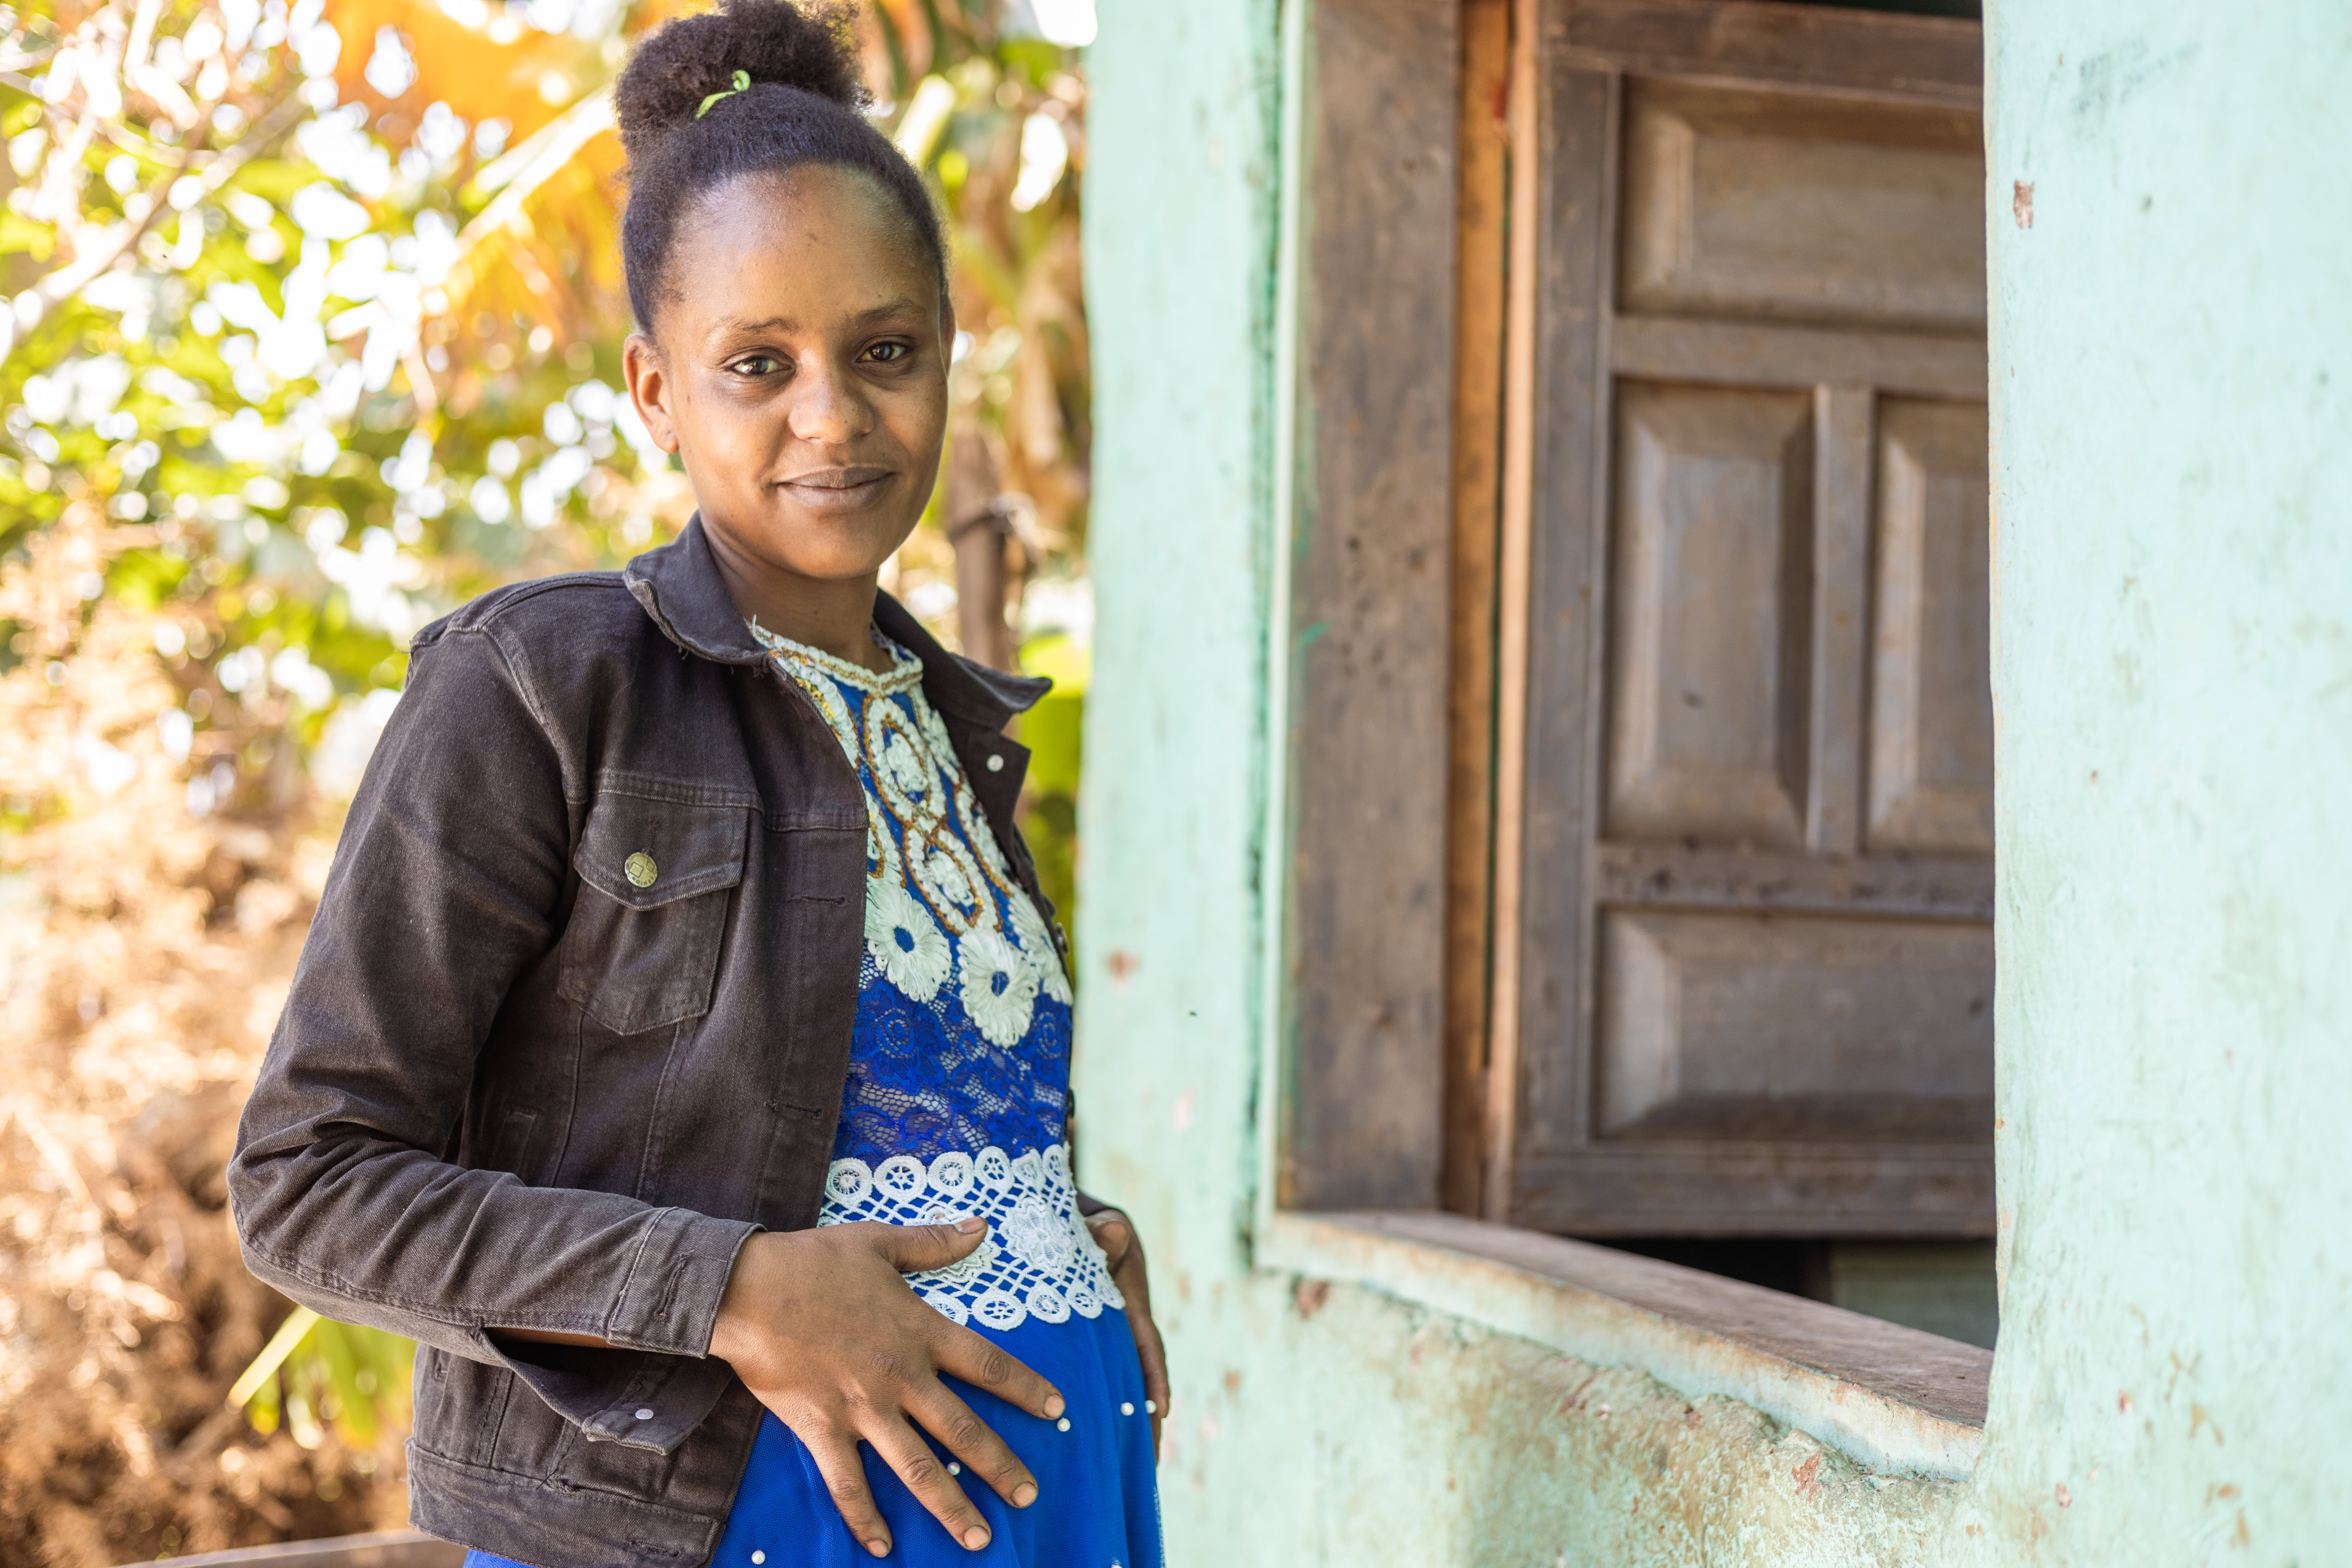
<point x="733" y="326"/>
<point x="901" y="306"/>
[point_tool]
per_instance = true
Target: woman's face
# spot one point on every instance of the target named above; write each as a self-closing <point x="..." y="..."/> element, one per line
<point x="798" y="366"/>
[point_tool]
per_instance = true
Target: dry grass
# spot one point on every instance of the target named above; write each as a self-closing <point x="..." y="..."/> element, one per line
<point x="144" y="952"/>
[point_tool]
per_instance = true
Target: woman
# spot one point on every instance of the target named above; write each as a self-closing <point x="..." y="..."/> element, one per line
<point x="680" y="1052"/>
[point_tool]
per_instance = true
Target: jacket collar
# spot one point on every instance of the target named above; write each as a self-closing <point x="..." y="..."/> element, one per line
<point x="679" y="587"/>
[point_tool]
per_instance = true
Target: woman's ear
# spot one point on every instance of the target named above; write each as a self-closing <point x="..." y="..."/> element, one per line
<point x="649" y="389"/>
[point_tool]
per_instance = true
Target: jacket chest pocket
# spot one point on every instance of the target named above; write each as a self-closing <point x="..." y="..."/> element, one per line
<point x="657" y="878"/>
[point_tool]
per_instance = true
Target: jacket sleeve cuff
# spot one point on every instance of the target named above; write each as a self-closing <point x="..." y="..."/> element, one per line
<point x="670" y="1301"/>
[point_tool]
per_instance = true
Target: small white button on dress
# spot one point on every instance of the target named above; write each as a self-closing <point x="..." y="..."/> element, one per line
<point x="1063" y="1425"/>
<point x="1126" y="1409"/>
<point x="954" y="1468"/>
<point x="758" y="1558"/>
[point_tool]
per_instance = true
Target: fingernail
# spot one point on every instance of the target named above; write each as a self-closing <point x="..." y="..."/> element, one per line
<point x="967" y="1225"/>
<point x="1024" y="1495"/>
<point x="878" y="1547"/>
<point x="1053" y="1407"/>
<point x="974" y="1539"/>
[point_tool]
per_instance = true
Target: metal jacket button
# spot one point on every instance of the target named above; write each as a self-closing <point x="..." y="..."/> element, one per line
<point x="995" y="762"/>
<point x="640" y="870"/>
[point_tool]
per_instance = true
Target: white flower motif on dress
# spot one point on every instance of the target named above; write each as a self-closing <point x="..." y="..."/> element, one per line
<point x="910" y="771"/>
<point x="1039" y="1260"/>
<point x="946" y="1306"/>
<point x="1039" y="1235"/>
<point x="951" y="1174"/>
<point x="965" y="1270"/>
<point x="1037" y="946"/>
<point x="847" y="1184"/>
<point x="907" y="943"/>
<point x="906" y="771"/>
<point x="942" y="868"/>
<point x="1000" y="1310"/>
<point x="999" y="986"/>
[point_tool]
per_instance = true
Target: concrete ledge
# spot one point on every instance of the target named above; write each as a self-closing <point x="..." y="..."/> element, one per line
<point x="386" y="1549"/>
<point x="1891" y="1398"/>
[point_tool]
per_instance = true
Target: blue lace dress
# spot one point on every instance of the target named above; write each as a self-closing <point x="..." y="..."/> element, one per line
<point x="955" y="1101"/>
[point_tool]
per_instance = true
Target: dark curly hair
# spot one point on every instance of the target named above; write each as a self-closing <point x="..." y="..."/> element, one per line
<point x="803" y="106"/>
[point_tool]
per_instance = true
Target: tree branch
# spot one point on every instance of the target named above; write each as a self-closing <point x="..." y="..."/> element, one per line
<point x="35" y="305"/>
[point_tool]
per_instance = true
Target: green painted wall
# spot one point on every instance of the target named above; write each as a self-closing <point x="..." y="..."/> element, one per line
<point x="2172" y="425"/>
<point x="2174" y="679"/>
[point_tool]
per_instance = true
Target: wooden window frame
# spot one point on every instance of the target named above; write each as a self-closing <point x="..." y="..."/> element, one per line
<point x="1410" y="562"/>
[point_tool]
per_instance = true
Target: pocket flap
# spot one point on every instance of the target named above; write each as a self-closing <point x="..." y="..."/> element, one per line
<point x="647" y="853"/>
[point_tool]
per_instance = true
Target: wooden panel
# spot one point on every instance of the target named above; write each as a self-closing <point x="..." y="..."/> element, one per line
<point x="1479" y="327"/>
<point x="1746" y="353"/>
<point x="1926" y="57"/>
<point x="1931" y="697"/>
<point x="1841" y="457"/>
<point x="1364" y="1124"/>
<point x="1943" y="886"/>
<point x="1740" y="204"/>
<point x="1637" y="1186"/>
<point x="1542" y="990"/>
<point x="1793" y="1028"/>
<point x="1710" y="639"/>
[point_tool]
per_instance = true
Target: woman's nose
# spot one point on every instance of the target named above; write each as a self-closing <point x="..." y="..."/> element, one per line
<point x="830" y="408"/>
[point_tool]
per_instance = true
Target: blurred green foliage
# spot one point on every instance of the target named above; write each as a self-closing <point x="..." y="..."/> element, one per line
<point x="358" y="355"/>
<point x="1052" y="731"/>
<point x="316" y="1373"/>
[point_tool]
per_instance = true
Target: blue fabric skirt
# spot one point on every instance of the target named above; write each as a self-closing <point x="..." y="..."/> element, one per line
<point x="1097" y="1496"/>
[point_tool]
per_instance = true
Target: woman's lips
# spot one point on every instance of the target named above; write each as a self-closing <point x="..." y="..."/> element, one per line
<point x="837" y="489"/>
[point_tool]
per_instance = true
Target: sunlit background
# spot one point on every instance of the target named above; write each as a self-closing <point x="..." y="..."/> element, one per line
<point x="311" y="326"/>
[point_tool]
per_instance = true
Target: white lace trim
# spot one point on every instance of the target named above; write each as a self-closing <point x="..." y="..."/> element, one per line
<point x="905" y="673"/>
<point x="1039" y="1259"/>
<point x="931" y="909"/>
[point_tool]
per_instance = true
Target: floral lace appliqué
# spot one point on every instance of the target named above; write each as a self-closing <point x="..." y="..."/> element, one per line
<point x="1039" y="1260"/>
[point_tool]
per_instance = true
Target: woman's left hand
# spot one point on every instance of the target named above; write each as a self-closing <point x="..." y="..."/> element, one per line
<point x="1115" y="1233"/>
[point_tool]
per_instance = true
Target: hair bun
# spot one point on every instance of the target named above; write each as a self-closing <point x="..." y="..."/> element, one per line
<point x="806" y="46"/>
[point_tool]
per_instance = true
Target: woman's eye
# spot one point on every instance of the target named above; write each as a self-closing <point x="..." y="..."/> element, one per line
<point x="758" y="364"/>
<point x="888" y="353"/>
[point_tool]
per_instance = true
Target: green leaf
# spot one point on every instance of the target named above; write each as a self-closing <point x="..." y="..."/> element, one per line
<point x="275" y="179"/>
<point x="1036" y="58"/>
<point x="19" y="233"/>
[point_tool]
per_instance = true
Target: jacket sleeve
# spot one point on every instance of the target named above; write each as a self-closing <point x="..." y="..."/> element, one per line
<point x="445" y="888"/>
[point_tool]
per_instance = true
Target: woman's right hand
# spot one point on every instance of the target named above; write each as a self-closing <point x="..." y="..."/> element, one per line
<point x="822" y="1328"/>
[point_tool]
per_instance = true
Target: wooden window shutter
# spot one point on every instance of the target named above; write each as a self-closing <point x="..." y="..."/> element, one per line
<point x="1754" y="961"/>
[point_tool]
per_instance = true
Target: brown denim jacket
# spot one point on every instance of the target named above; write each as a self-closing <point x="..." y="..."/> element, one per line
<point x="516" y="1086"/>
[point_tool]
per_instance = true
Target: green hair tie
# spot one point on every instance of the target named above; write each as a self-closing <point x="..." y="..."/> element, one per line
<point x="743" y="82"/>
